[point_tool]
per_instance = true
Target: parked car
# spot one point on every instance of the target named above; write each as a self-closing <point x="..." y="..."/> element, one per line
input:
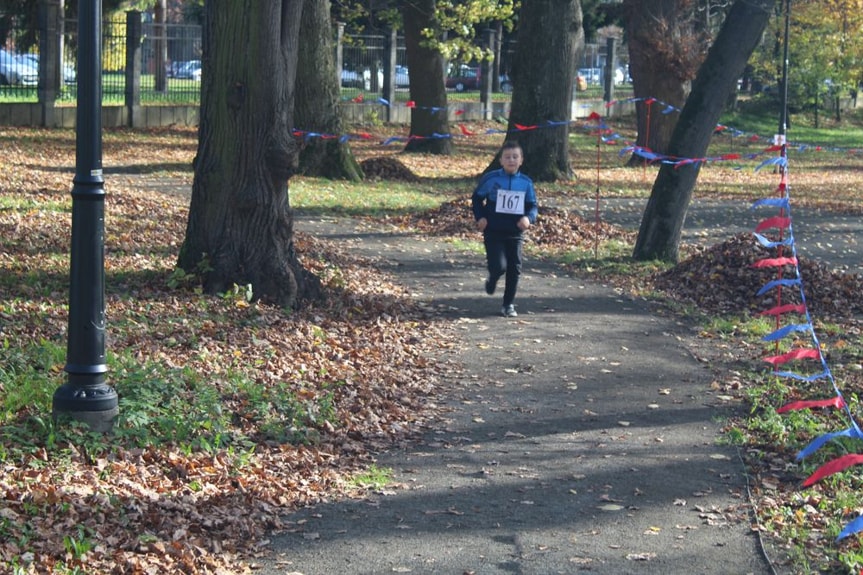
<point x="190" y="70"/>
<point x="470" y="78"/>
<point x="464" y="78"/>
<point x="591" y="75"/>
<point x="17" y="70"/>
<point x="173" y="68"/>
<point x="402" y="79"/>
<point x="69" y="75"/>
<point x="351" y="79"/>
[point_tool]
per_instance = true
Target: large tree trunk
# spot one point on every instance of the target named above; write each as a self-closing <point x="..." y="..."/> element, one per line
<point x="665" y="51"/>
<point x="240" y="228"/>
<point x="549" y="35"/>
<point x="317" y="99"/>
<point x="662" y="222"/>
<point x="427" y="83"/>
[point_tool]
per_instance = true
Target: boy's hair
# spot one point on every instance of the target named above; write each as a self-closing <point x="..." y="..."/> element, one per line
<point x="510" y="144"/>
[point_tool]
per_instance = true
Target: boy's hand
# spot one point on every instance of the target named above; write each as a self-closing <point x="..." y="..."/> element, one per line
<point x="523" y="223"/>
<point x="481" y="224"/>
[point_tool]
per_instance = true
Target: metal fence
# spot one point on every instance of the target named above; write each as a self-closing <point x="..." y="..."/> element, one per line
<point x="363" y="61"/>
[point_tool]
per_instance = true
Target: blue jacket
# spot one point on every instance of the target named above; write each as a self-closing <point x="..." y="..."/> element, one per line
<point x="485" y="200"/>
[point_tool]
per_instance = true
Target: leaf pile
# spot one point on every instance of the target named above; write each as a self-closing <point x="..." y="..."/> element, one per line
<point x="387" y="168"/>
<point x="721" y="279"/>
<point x="556" y="229"/>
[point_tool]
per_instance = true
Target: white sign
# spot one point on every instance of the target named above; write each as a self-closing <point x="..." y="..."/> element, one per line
<point x="510" y="202"/>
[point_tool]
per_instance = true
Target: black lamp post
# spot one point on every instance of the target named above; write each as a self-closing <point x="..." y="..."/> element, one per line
<point x="85" y="396"/>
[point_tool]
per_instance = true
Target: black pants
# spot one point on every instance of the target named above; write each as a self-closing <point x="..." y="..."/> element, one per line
<point x="503" y="254"/>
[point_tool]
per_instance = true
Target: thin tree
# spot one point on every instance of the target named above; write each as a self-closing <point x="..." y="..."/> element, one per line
<point x="549" y="35"/>
<point x="317" y="99"/>
<point x="662" y="222"/>
<point x="240" y="228"/>
<point x="427" y="87"/>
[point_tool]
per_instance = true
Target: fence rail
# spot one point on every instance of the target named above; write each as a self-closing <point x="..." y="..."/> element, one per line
<point x="149" y="64"/>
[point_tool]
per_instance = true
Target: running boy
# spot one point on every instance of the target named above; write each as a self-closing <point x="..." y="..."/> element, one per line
<point x="504" y="206"/>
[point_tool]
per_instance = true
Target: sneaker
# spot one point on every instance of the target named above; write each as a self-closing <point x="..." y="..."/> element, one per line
<point x="508" y="311"/>
<point x="490" y="285"/>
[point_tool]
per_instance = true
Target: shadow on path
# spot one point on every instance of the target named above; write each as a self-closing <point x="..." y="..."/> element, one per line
<point x="580" y="436"/>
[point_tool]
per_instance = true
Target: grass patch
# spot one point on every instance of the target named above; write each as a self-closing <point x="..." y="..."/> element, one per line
<point x="374" y="478"/>
<point x="370" y="199"/>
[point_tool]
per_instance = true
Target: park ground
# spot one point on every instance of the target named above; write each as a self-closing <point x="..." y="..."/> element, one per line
<point x="234" y="414"/>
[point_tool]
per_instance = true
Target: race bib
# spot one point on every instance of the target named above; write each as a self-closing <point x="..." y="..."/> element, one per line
<point x="510" y="202"/>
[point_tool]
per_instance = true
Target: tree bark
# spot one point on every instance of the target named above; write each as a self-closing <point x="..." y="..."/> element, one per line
<point x="240" y="227"/>
<point x="664" y="53"/>
<point x="317" y="99"/>
<point x="550" y="34"/>
<point x="665" y="213"/>
<point x="429" y="117"/>
<point x="160" y="47"/>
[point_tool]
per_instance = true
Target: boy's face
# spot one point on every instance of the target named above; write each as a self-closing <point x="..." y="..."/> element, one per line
<point x="511" y="159"/>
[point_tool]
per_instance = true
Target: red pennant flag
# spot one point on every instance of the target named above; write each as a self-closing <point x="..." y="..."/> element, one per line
<point x="358" y="99"/>
<point x="520" y="127"/>
<point x="411" y="104"/>
<point x="459" y="112"/>
<point x="594" y="116"/>
<point x="832" y="467"/>
<point x="775" y="222"/>
<point x="780" y="309"/>
<point x="836" y="402"/>
<point x="775" y="262"/>
<point x="464" y="130"/>
<point x="799" y="353"/>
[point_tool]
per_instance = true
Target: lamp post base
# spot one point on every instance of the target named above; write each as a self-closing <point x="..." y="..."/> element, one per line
<point x="97" y="406"/>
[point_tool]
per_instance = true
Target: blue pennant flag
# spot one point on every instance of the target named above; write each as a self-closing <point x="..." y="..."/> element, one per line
<point x="772" y="202"/>
<point x="851" y="528"/>
<point x="816" y="443"/>
<point x="800" y="377"/>
<point x="771" y="244"/>
<point x="780" y="161"/>
<point x="775" y="283"/>
<point x="782" y="332"/>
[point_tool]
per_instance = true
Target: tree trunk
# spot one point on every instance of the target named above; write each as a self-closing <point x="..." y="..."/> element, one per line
<point x="662" y="222"/>
<point x="664" y="54"/>
<point x="317" y="99"/>
<point x="429" y="117"/>
<point x="240" y="228"/>
<point x="549" y="35"/>
<point x="160" y="47"/>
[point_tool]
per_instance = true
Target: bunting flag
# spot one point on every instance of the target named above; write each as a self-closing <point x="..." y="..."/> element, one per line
<point x="835" y="466"/>
<point x="609" y="137"/>
<point x="781" y="225"/>
<point x="799" y="353"/>
<point x="785" y="308"/>
<point x="836" y="402"/>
